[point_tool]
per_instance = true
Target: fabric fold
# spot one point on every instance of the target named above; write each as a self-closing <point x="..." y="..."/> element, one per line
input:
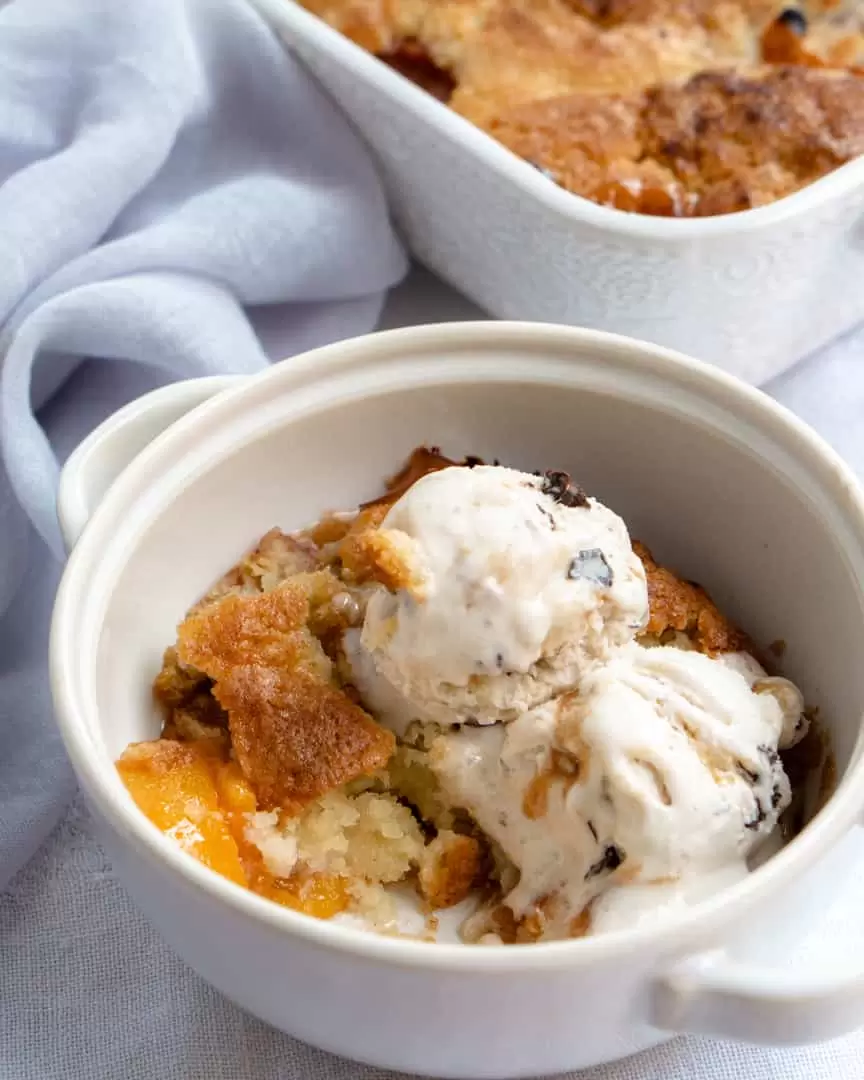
<point x="166" y="171"/>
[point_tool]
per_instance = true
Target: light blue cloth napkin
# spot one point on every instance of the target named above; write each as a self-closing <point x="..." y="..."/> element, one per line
<point x="163" y="166"/>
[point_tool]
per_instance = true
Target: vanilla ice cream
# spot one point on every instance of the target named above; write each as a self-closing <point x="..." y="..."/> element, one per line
<point x="659" y="774"/>
<point x="619" y="777"/>
<point x="520" y="583"/>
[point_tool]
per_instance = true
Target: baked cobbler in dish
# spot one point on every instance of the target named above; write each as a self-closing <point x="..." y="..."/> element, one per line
<point x="669" y="107"/>
<point x="476" y="690"/>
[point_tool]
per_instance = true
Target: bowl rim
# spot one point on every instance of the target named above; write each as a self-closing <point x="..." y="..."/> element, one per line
<point x="843" y="181"/>
<point x="164" y="457"/>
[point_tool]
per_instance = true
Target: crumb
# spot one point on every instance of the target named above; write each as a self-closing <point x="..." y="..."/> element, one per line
<point x="449" y="868"/>
<point x="385" y="556"/>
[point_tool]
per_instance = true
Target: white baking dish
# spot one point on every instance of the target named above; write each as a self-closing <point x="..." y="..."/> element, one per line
<point x="704" y="468"/>
<point x="752" y="292"/>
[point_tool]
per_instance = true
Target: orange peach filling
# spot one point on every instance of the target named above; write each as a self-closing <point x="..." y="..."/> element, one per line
<point x="201" y="801"/>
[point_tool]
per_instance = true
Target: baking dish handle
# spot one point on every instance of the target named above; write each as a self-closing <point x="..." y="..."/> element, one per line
<point x="713" y="994"/>
<point x="97" y="462"/>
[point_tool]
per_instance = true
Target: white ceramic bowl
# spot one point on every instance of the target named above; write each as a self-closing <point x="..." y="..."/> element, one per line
<point x="722" y="482"/>
<point x="751" y="292"/>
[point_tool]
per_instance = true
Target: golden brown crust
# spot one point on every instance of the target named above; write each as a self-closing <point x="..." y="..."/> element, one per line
<point x="651" y="106"/>
<point x="294" y="734"/>
<point x="183" y="692"/>
<point x="719" y="143"/>
<point x="296" y="737"/>
<point x="594" y="148"/>
<point x="264" y="630"/>
<point x="740" y="141"/>
<point x="682" y="607"/>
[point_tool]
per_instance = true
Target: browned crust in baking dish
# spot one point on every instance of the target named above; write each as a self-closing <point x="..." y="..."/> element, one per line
<point x="667" y="107"/>
<point x="721" y="142"/>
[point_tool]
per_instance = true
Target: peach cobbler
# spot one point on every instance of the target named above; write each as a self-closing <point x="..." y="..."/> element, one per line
<point x="472" y="690"/>
<point x="670" y="107"/>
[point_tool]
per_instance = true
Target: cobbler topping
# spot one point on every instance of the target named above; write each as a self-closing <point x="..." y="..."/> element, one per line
<point x="609" y="99"/>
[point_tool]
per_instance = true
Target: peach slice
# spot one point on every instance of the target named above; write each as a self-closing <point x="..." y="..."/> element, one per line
<point x="175" y="785"/>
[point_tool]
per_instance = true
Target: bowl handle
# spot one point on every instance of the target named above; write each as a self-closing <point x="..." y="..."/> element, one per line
<point x="712" y="994"/>
<point x="97" y="462"/>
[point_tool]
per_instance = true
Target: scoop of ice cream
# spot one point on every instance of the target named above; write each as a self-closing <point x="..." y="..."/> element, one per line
<point x="517" y="584"/>
<point x="787" y="695"/>
<point x="661" y="774"/>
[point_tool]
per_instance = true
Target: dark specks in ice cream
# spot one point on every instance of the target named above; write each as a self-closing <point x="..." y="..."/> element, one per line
<point x="558" y="486"/>
<point x="548" y="515"/>
<point x="610" y="860"/>
<point x="758" y="817"/>
<point x="591" y="565"/>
